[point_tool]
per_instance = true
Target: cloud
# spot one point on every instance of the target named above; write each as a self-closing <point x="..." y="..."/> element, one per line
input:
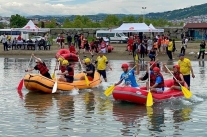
<point x="86" y="7"/>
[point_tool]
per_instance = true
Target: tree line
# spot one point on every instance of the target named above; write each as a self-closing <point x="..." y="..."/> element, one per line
<point x="18" y="21"/>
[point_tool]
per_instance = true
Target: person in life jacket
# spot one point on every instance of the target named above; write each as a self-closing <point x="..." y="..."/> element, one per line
<point x="90" y="70"/>
<point x="178" y="77"/>
<point x="156" y="81"/>
<point x="129" y="76"/>
<point x="62" y="67"/>
<point x="68" y="74"/>
<point x="152" y="65"/>
<point x="41" y="67"/>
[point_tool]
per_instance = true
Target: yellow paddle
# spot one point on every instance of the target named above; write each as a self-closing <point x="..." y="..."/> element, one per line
<point x="136" y="58"/>
<point x="185" y="91"/>
<point x="149" y="102"/>
<point x="86" y="78"/>
<point x="109" y="90"/>
<point x="53" y="75"/>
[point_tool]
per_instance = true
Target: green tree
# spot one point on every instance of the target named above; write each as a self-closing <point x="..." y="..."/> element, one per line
<point x="17" y="21"/>
<point x="67" y="23"/>
<point x="110" y="21"/>
<point x="52" y="24"/>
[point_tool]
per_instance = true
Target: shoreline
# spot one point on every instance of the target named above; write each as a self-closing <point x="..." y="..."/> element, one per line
<point x="118" y="53"/>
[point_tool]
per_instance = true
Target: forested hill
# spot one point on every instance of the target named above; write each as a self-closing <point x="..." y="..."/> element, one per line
<point x="196" y="10"/>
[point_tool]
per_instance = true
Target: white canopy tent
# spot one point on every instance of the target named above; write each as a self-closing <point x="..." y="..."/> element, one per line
<point x="133" y="27"/>
<point x="153" y="29"/>
<point x="31" y="27"/>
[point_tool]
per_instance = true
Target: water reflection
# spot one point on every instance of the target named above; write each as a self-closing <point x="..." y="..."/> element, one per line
<point x="38" y="103"/>
<point x="202" y="69"/>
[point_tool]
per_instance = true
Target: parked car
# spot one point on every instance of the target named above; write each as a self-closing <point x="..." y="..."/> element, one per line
<point x="36" y="37"/>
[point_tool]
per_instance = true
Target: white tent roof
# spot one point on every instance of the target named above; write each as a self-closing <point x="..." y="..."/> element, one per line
<point x="31" y="27"/>
<point x="133" y="27"/>
<point x="154" y="29"/>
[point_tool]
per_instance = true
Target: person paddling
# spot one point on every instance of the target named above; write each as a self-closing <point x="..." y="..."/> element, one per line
<point x="90" y="70"/>
<point x="178" y="77"/>
<point x="68" y="74"/>
<point x="41" y="66"/>
<point x="129" y="77"/>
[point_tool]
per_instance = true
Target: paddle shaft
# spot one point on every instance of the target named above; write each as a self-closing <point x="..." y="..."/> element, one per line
<point x="172" y="75"/>
<point x="80" y="64"/>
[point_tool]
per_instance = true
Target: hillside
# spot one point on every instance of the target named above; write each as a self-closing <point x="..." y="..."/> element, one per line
<point x="196" y="10"/>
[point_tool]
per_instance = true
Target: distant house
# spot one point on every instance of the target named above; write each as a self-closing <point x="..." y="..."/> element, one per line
<point x="197" y="31"/>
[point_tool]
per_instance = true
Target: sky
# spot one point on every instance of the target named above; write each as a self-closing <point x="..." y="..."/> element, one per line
<point x="90" y="7"/>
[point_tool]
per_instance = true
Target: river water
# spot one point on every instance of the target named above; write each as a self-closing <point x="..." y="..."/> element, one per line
<point x="88" y="113"/>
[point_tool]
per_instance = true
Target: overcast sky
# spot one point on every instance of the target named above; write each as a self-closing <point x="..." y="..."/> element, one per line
<point x="86" y="7"/>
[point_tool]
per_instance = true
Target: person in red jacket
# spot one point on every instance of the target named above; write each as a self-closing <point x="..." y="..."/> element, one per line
<point x="156" y="81"/>
<point x="41" y="66"/>
<point x="178" y="75"/>
<point x="68" y="74"/>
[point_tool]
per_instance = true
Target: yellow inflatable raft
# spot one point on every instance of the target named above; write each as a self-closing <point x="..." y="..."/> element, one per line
<point x="37" y="82"/>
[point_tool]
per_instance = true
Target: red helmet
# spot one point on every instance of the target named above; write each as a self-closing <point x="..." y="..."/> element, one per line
<point x="125" y="66"/>
<point x="156" y="69"/>
<point x="152" y="64"/>
<point x="176" y="66"/>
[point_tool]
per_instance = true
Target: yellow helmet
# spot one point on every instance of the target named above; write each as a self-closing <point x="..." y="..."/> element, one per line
<point x="65" y="62"/>
<point x="60" y="59"/>
<point x="87" y="60"/>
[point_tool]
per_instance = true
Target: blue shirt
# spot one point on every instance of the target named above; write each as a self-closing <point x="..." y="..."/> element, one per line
<point x="129" y="79"/>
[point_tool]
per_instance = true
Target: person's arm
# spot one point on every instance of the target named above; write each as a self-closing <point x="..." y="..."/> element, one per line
<point x="158" y="81"/>
<point x="29" y="70"/>
<point x="145" y="77"/>
<point x="36" y="58"/>
<point x="191" y="69"/>
<point x="182" y="79"/>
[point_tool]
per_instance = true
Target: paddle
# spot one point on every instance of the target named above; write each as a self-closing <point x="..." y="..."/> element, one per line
<point x="109" y="90"/>
<point x="54" y="89"/>
<point x="86" y="78"/>
<point x="149" y="102"/>
<point x="19" y="88"/>
<point x="53" y="75"/>
<point x="185" y="91"/>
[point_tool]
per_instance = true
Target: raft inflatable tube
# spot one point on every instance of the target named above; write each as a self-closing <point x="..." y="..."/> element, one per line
<point x="37" y="82"/>
<point x="110" y="48"/>
<point x="66" y="54"/>
<point x="139" y="96"/>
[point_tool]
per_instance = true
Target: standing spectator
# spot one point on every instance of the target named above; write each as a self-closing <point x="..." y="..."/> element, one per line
<point x="135" y="48"/>
<point x="202" y="49"/>
<point x="142" y="50"/>
<point x="149" y="44"/>
<point x="159" y="40"/>
<point x="169" y="49"/>
<point x="62" y="41"/>
<point x="69" y="40"/>
<point x="101" y="62"/>
<point x="130" y="44"/>
<point x="182" y="36"/>
<point x="76" y="37"/>
<point x="183" y="47"/>
<point x="4" y="41"/>
<point x="174" y="47"/>
<point x="185" y="68"/>
<point x="58" y="40"/>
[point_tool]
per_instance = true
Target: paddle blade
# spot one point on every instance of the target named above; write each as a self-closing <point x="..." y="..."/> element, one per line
<point x="53" y="76"/>
<point x="19" y="88"/>
<point x="149" y="99"/>
<point x="186" y="92"/>
<point x="109" y="90"/>
<point x="54" y="89"/>
<point x="136" y="57"/>
<point x="87" y="81"/>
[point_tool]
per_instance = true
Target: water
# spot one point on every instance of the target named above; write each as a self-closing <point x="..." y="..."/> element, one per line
<point x="87" y="113"/>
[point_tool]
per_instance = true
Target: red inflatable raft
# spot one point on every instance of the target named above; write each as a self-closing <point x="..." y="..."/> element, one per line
<point x="66" y="54"/>
<point x="139" y="96"/>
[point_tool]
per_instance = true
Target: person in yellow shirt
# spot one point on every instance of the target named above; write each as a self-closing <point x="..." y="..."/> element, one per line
<point x="102" y="62"/>
<point x="169" y="49"/>
<point x="185" y="68"/>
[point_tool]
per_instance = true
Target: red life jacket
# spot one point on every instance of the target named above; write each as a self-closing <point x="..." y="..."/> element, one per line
<point x="177" y="76"/>
<point x="72" y="49"/>
<point x="153" y="80"/>
<point x="62" y="68"/>
<point x="42" y="68"/>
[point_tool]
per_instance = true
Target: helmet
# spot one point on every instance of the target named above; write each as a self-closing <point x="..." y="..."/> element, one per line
<point x="125" y="66"/>
<point x="60" y="59"/>
<point x="87" y="60"/>
<point x="152" y="64"/>
<point x="176" y="66"/>
<point x="156" y="69"/>
<point x="65" y="62"/>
